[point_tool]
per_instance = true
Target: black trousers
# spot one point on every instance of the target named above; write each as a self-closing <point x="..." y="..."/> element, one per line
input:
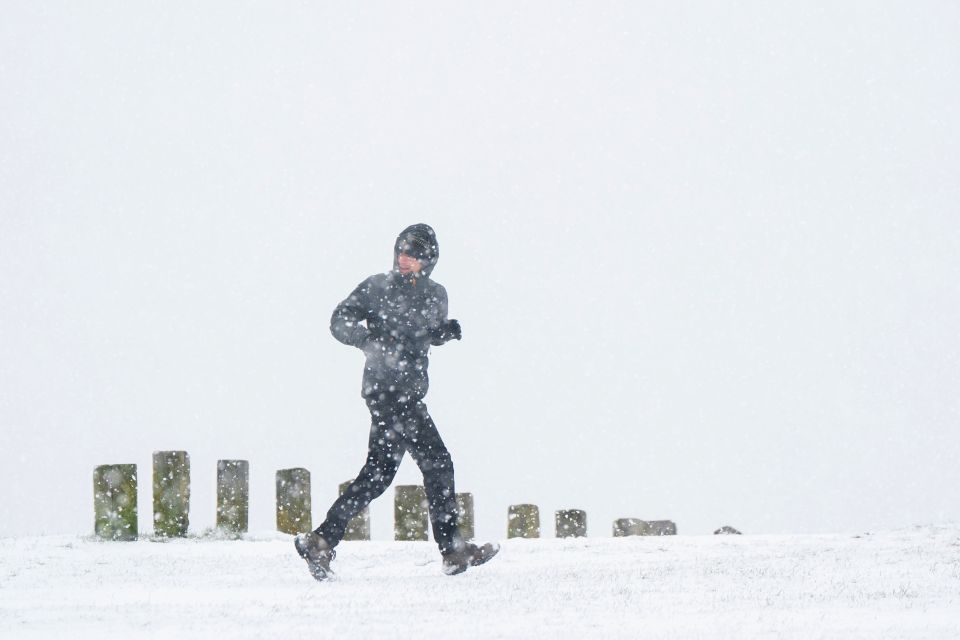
<point x="400" y="424"/>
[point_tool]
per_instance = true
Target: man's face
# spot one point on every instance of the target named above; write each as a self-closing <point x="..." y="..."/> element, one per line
<point x="408" y="264"/>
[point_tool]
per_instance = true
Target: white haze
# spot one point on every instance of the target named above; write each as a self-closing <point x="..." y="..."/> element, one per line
<point x="706" y="255"/>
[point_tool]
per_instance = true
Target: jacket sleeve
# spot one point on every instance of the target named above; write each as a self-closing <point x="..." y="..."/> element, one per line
<point x="438" y="336"/>
<point x="346" y="322"/>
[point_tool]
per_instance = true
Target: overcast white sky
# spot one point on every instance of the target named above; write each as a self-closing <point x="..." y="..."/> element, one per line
<point x="706" y="255"/>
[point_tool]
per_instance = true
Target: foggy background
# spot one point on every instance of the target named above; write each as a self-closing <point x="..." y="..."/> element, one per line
<point x="706" y="255"/>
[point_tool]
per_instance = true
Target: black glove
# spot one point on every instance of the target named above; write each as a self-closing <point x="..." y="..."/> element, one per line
<point x="449" y="330"/>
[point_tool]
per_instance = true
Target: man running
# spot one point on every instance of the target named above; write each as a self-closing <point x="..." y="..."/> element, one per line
<point x="395" y="318"/>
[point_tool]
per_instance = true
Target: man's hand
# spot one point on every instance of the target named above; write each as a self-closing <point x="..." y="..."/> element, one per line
<point x="449" y="330"/>
<point x="453" y="330"/>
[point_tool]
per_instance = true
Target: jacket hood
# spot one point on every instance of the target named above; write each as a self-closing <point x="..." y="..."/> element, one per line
<point x="419" y="241"/>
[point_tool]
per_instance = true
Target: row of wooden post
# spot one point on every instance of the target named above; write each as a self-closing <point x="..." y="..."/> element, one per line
<point x="115" y="505"/>
<point x="523" y="521"/>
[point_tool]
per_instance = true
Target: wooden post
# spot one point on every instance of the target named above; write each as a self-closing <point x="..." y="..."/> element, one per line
<point x="171" y="493"/>
<point x="410" y="513"/>
<point x="726" y="530"/>
<point x="661" y="528"/>
<point x="359" y="526"/>
<point x="233" y="495"/>
<point x="571" y="523"/>
<point x="115" y="502"/>
<point x="293" y="501"/>
<point x="629" y="527"/>
<point x="465" y="521"/>
<point x="523" y="521"/>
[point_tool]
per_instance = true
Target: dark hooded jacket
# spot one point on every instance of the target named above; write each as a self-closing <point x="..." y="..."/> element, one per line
<point x="395" y="318"/>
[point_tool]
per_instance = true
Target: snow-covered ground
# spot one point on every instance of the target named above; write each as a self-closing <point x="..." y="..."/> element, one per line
<point x="900" y="584"/>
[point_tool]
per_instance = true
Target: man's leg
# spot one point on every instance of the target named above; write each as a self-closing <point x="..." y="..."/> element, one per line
<point x="427" y="449"/>
<point x="384" y="452"/>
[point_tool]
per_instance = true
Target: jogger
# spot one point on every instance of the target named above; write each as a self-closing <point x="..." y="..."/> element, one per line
<point x="395" y="318"/>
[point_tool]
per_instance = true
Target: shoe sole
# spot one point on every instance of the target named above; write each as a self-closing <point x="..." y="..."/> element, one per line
<point x="476" y="561"/>
<point x="491" y="551"/>
<point x="318" y="572"/>
<point x="452" y="570"/>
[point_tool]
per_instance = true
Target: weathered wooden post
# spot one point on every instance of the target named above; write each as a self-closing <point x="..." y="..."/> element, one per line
<point x="115" y="501"/>
<point x="359" y="526"/>
<point x="233" y="495"/>
<point x="465" y="520"/>
<point x="410" y="513"/>
<point x="523" y="521"/>
<point x="726" y="530"/>
<point x="629" y="527"/>
<point x="293" y="501"/>
<point x="571" y="523"/>
<point x="171" y="493"/>
<point x="661" y="528"/>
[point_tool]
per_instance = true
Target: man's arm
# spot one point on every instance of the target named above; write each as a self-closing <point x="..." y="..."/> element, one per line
<point x="346" y="321"/>
<point x="447" y="329"/>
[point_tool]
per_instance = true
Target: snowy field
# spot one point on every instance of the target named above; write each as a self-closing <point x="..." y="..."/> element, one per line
<point x="901" y="584"/>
